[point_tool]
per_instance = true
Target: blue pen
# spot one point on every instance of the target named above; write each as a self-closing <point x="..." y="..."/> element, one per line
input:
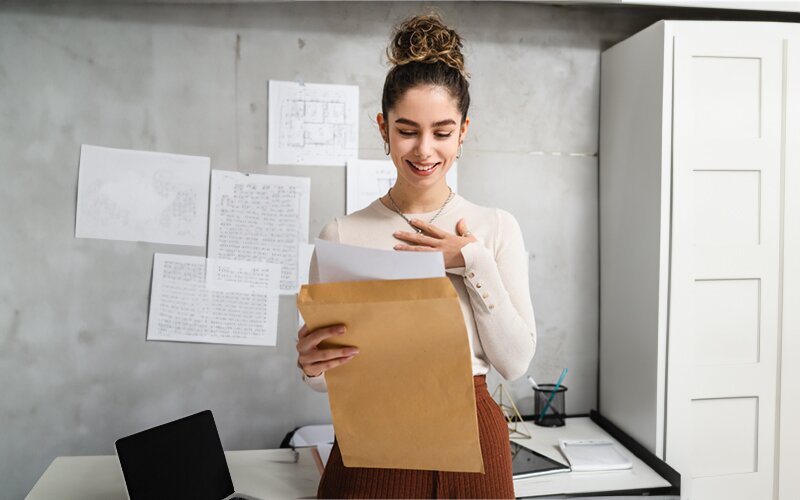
<point x="553" y="394"/>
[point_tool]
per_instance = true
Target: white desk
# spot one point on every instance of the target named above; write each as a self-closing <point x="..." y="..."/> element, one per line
<point x="261" y="473"/>
<point x="270" y="473"/>
<point x="545" y="441"/>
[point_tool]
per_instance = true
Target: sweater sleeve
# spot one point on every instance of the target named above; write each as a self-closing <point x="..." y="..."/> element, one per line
<point x="331" y="233"/>
<point x="499" y="292"/>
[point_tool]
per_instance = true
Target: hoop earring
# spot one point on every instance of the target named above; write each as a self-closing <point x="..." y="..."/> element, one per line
<point x="386" y="148"/>
<point x="460" y="150"/>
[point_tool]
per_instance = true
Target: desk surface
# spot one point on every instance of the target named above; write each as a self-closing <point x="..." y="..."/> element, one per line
<point x="271" y="474"/>
<point x="261" y="473"/>
<point x="545" y="441"/>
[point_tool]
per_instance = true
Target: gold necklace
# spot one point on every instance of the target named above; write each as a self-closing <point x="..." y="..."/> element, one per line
<point x="400" y="213"/>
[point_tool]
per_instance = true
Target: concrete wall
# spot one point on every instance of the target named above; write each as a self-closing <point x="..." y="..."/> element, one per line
<point x="76" y="371"/>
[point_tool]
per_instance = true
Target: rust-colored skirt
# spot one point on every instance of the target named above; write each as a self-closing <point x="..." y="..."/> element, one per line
<point x="339" y="481"/>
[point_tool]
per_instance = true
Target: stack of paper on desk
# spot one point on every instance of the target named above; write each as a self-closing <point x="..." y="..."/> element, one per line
<point x="407" y="400"/>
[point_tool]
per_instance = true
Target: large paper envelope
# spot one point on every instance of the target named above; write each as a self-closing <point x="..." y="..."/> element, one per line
<point x="407" y="400"/>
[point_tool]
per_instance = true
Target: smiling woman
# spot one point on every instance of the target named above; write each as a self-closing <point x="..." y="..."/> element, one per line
<point x="423" y="124"/>
<point x="423" y="132"/>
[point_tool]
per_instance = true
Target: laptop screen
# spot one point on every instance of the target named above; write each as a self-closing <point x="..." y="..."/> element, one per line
<point x="180" y="459"/>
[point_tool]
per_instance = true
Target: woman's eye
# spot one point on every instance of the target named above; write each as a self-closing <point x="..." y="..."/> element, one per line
<point x="407" y="132"/>
<point x="443" y="135"/>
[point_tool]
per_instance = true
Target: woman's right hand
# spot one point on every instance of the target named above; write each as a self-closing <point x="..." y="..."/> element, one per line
<point x="313" y="360"/>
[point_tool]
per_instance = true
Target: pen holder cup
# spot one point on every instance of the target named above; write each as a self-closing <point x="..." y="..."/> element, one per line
<point x="549" y="406"/>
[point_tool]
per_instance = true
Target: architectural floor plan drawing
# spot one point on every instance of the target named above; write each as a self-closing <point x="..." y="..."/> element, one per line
<point x="312" y="124"/>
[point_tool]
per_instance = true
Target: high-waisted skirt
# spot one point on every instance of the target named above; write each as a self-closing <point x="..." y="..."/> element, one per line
<point x="339" y="481"/>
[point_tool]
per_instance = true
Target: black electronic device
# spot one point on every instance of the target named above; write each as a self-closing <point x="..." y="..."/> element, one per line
<point x="182" y="459"/>
<point x="528" y="463"/>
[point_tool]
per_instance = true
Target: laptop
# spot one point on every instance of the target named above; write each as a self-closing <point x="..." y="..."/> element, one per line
<point x="183" y="459"/>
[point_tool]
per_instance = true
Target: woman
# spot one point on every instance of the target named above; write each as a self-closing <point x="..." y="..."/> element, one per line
<point x="423" y="124"/>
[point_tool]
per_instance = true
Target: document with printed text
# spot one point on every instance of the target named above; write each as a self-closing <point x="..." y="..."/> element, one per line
<point x="219" y="301"/>
<point x="260" y="218"/>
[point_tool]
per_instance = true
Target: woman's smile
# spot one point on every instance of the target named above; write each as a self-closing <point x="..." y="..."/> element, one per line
<point x="423" y="169"/>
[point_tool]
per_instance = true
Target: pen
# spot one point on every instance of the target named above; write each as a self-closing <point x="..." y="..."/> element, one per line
<point x="553" y="393"/>
<point x="533" y="382"/>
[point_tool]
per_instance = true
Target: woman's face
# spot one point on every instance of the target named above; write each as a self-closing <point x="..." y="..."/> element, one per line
<point x="424" y="131"/>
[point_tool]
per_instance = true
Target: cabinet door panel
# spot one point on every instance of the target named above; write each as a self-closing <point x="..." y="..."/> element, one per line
<point x="724" y="288"/>
<point x="788" y="478"/>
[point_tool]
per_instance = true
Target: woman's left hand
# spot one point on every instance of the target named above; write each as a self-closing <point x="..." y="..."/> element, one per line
<point x="433" y="239"/>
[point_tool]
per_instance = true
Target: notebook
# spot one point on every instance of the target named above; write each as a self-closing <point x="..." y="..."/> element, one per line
<point x="593" y="455"/>
<point x="528" y="463"/>
<point x="181" y="459"/>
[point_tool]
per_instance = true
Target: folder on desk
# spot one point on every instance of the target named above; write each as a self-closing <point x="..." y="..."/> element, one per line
<point x="407" y="400"/>
<point x="586" y="455"/>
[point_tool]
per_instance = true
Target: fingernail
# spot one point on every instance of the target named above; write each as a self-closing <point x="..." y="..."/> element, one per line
<point x="340" y="329"/>
<point x="397" y="247"/>
<point x="352" y="352"/>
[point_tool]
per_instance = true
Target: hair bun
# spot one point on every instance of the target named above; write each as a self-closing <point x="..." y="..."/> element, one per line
<point x="426" y="39"/>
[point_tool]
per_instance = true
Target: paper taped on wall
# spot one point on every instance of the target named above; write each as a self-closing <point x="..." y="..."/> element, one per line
<point x="142" y="196"/>
<point x="312" y="123"/>
<point x="259" y="218"/>
<point x="226" y="302"/>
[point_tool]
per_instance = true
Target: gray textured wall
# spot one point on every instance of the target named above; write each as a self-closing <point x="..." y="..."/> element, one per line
<point x="75" y="370"/>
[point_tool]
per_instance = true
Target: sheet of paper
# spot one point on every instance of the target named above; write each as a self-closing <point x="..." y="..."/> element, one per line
<point x="259" y="218"/>
<point x="304" y="265"/>
<point x="237" y="304"/>
<point x="312" y="123"/>
<point x="324" y="450"/>
<point x="312" y="435"/>
<point x="305" y="252"/>
<point x="407" y="400"/>
<point x="142" y="196"/>
<point x="368" y="180"/>
<point x="338" y="262"/>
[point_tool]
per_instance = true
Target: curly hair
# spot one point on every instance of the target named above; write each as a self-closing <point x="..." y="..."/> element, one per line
<point x="424" y="51"/>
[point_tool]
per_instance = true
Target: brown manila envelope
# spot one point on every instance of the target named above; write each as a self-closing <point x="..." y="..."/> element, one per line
<point x="407" y="400"/>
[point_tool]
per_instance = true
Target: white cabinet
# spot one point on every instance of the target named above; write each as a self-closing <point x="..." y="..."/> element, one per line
<point x="700" y="251"/>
